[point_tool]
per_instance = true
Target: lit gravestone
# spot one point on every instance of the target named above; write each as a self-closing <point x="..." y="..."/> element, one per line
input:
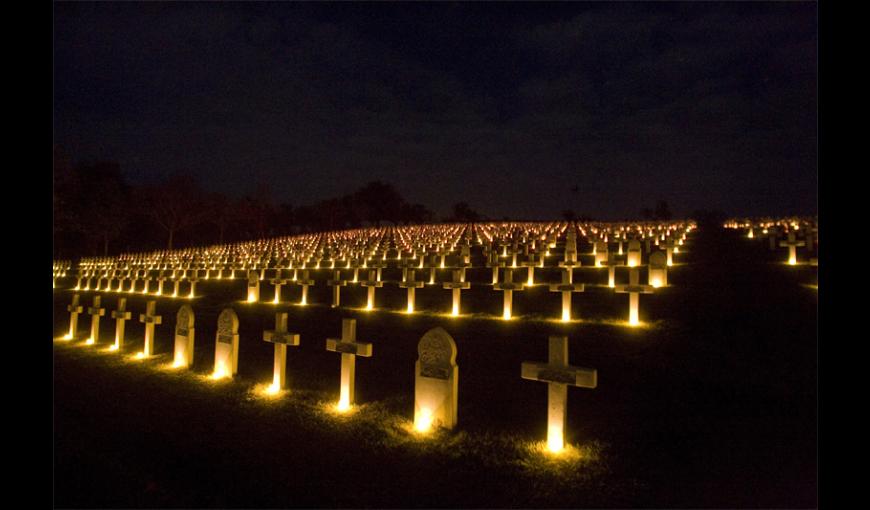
<point x="558" y="375"/>
<point x="253" y="287"/>
<point x="336" y="283"/>
<point x="633" y="257"/>
<point x="176" y="280"/>
<point x="95" y="311"/>
<point x="792" y="245"/>
<point x="226" y="351"/>
<point x="508" y="287"/>
<point x="611" y="264"/>
<point x="658" y="269"/>
<point x="669" y="250"/>
<point x="161" y="277"/>
<point x="74" y="310"/>
<point x="456" y="285"/>
<point x="634" y="290"/>
<point x="567" y="287"/>
<point x="495" y="263"/>
<point x="412" y="286"/>
<point x="436" y="381"/>
<point x="278" y="282"/>
<point x="281" y="338"/>
<point x="193" y="278"/>
<point x="371" y="284"/>
<point x="184" y="333"/>
<point x="305" y="282"/>
<point x="121" y="315"/>
<point x="349" y="349"/>
<point x="150" y="320"/>
<point x="530" y="263"/>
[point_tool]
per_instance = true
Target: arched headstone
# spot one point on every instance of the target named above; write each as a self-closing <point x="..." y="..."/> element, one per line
<point x="184" y="332"/>
<point x="226" y="351"/>
<point x="253" y="287"/>
<point x="436" y="381"/>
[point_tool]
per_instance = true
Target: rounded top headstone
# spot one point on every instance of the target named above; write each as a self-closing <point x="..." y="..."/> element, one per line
<point x="184" y="318"/>
<point x="228" y="322"/>
<point x="437" y="348"/>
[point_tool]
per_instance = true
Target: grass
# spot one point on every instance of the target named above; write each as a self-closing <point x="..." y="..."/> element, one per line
<point x="712" y="403"/>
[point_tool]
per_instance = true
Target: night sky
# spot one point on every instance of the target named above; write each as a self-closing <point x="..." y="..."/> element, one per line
<point x="522" y="110"/>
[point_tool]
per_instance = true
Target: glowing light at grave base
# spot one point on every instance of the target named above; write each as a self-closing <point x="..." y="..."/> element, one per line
<point x="220" y="371"/>
<point x="89" y="341"/>
<point x="140" y="355"/>
<point x="555" y="440"/>
<point x="114" y="347"/>
<point x="566" y="314"/>
<point x="455" y="311"/>
<point x="251" y="297"/>
<point x="792" y="260"/>
<point x="423" y="420"/>
<point x="343" y="406"/>
<point x="656" y="282"/>
<point x="410" y="308"/>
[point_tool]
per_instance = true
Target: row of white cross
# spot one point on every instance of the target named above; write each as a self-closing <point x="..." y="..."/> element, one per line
<point x="436" y="371"/>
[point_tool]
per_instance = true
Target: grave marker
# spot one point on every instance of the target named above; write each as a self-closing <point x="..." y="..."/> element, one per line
<point x="436" y="381"/>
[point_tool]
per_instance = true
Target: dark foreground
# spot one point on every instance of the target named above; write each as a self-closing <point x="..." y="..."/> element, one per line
<point x="713" y="405"/>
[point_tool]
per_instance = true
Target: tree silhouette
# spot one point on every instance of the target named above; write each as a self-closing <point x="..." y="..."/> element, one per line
<point x="176" y="204"/>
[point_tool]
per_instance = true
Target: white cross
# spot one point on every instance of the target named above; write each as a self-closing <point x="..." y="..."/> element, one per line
<point x="95" y="312"/>
<point x="634" y="290"/>
<point x="349" y="349"/>
<point x="457" y="285"/>
<point x="336" y="283"/>
<point x="281" y="338"/>
<point x="74" y="310"/>
<point x="558" y="375"/>
<point x="150" y="320"/>
<point x="508" y="286"/>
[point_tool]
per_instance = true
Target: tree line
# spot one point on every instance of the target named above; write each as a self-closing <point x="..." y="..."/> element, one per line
<point x="97" y="212"/>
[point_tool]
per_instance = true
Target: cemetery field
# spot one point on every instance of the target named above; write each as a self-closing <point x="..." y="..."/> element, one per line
<point x="712" y="402"/>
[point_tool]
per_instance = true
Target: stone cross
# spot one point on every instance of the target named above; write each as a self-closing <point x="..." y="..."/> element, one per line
<point x="349" y="349"/>
<point x="176" y="280"/>
<point x="161" y="277"/>
<point x="436" y="381"/>
<point x="74" y="310"/>
<point x="457" y="285"/>
<point x="508" y="286"/>
<point x="121" y="315"/>
<point x="226" y="352"/>
<point x="193" y="278"/>
<point x="669" y="250"/>
<point x="658" y="269"/>
<point x="281" y="338"/>
<point x="567" y="288"/>
<point x="531" y="263"/>
<point x="411" y="285"/>
<point x="634" y="290"/>
<point x="253" y="286"/>
<point x="277" y="282"/>
<point x="633" y="257"/>
<point x="336" y="283"/>
<point x="792" y="244"/>
<point x="95" y="312"/>
<point x="495" y="263"/>
<point x="184" y="333"/>
<point x="305" y="282"/>
<point x="372" y="283"/>
<point x="558" y="375"/>
<point x="612" y="262"/>
<point x="150" y="320"/>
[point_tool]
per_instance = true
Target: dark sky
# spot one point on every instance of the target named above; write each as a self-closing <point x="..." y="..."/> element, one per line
<point x="506" y="106"/>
